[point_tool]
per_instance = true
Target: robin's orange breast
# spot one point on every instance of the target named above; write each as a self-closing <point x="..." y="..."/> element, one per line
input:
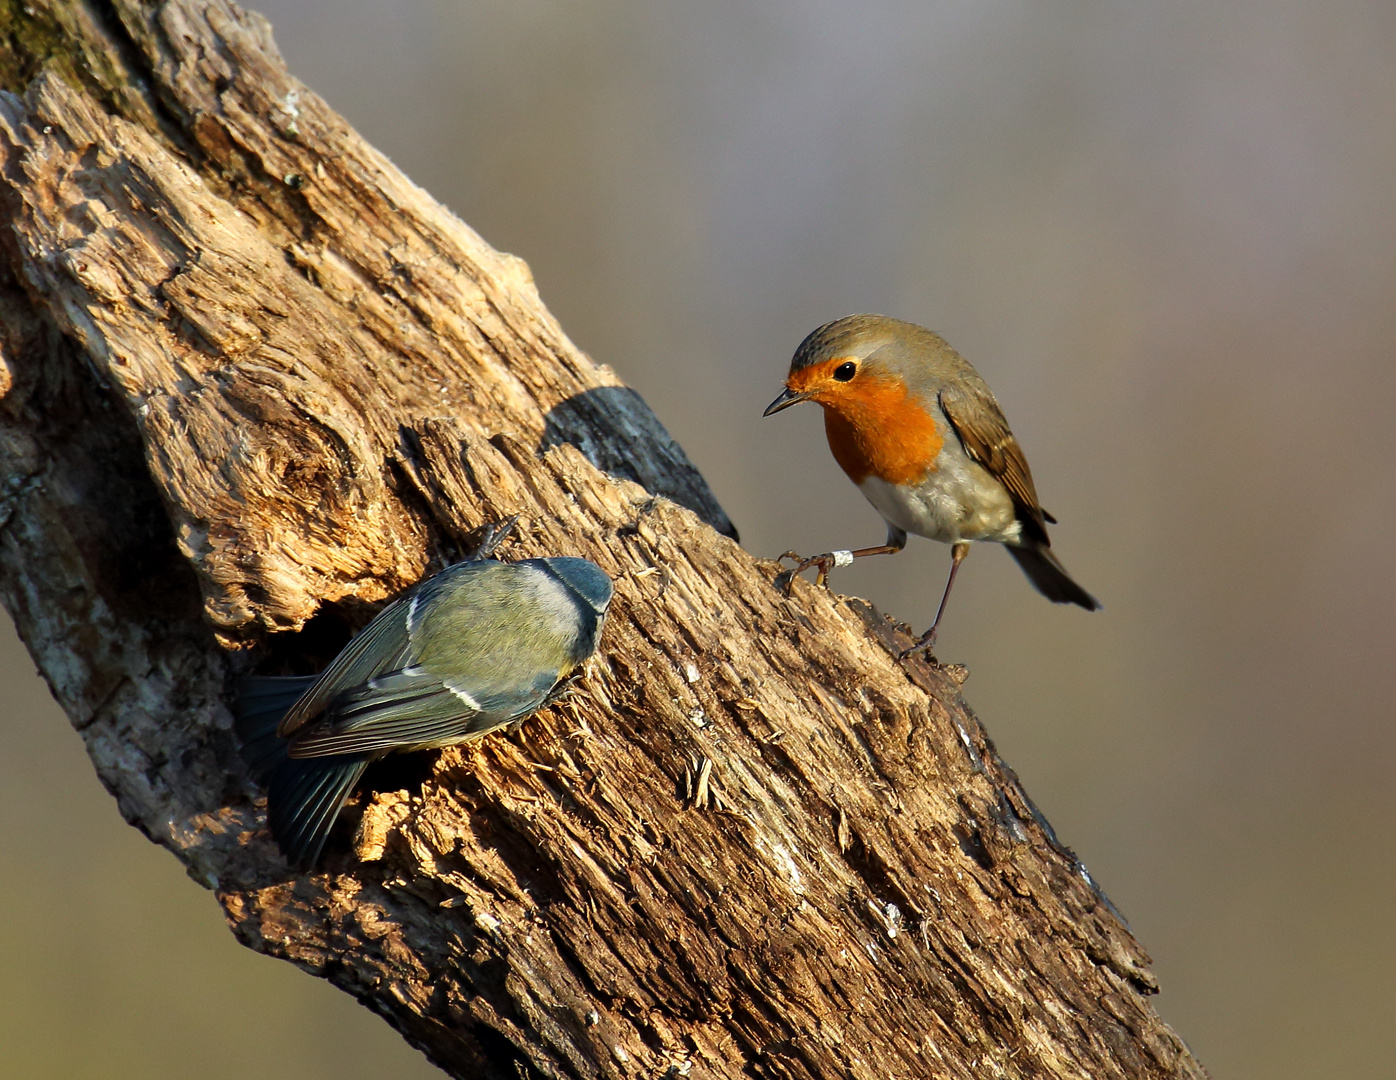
<point x="881" y="430"/>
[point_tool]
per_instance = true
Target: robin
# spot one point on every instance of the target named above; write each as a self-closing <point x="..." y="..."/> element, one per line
<point x="919" y="432"/>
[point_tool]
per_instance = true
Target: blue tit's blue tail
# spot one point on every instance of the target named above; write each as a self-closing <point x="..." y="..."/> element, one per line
<point x="304" y="795"/>
<point x="261" y="703"/>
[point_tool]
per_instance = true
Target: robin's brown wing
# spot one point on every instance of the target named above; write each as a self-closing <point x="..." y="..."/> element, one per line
<point x="984" y="432"/>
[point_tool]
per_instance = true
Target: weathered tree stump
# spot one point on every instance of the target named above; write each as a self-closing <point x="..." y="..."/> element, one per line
<point x="255" y="382"/>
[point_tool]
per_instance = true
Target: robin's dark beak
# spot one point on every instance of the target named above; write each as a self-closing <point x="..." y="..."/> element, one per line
<point x="787" y="398"/>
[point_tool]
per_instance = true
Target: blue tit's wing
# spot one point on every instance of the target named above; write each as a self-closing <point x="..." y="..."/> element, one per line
<point x="413" y="710"/>
<point x="382" y="645"/>
<point x="385" y="644"/>
<point x="475" y="647"/>
<point x="501" y="706"/>
<point x="393" y="711"/>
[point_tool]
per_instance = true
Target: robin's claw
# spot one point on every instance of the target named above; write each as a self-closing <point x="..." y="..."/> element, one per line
<point x="786" y="578"/>
<point x="922" y="644"/>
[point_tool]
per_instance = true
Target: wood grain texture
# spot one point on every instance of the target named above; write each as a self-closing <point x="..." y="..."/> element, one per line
<point x="254" y="383"/>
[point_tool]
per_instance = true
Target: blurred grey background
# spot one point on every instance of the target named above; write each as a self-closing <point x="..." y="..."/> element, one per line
<point x="1164" y="231"/>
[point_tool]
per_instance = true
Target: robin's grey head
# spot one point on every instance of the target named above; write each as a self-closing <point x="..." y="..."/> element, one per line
<point x="854" y="337"/>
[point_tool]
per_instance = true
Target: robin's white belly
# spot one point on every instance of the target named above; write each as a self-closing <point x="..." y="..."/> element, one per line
<point x="959" y="500"/>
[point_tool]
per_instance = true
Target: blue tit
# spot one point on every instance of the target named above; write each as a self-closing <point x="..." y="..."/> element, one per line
<point x="478" y="646"/>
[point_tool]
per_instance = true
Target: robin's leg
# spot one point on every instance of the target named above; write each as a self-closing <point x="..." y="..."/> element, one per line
<point x="896" y="540"/>
<point x="926" y="640"/>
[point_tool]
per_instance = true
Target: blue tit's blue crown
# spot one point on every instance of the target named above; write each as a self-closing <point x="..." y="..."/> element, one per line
<point x="584" y="578"/>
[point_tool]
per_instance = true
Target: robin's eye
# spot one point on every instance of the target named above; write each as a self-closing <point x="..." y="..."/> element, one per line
<point x="846" y="371"/>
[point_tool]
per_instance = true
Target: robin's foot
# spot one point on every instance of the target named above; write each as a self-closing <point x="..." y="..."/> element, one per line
<point x="923" y="644"/>
<point x="825" y="563"/>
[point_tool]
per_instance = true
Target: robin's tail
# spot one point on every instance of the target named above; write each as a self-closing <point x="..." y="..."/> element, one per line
<point x="304" y="795"/>
<point x="1050" y="577"/>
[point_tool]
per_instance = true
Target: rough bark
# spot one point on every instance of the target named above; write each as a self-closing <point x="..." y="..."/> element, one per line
<point x="254" y="382"/>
